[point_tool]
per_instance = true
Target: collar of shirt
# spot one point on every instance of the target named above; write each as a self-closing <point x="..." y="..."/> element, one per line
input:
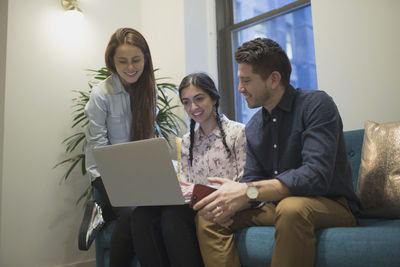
<point x="117" y="84"/>
<point x="285" y="104"/>
<point x="216" y="132"/>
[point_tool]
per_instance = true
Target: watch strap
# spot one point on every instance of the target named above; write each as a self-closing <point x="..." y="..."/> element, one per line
<point x="255" y="204"/>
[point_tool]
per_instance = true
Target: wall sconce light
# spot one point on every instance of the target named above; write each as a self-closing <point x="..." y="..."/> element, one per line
<point x="71" y="9"/>
<point x="69" y="29"/>
<point x="71" y="5"/>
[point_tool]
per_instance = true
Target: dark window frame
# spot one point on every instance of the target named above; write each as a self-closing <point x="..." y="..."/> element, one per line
<point x="225" y="29"/>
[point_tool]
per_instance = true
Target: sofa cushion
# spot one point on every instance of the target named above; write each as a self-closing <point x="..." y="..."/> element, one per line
<point x="379" y="175"/>
<point x="373" y="243"/>
<point x="255" y="245"/>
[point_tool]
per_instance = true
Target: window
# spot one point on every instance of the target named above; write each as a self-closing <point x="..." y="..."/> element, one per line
<point x="247" y="9"/>
<point x="287" y="22"/>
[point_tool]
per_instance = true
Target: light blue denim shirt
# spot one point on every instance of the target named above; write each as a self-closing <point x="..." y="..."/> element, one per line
<point x="110" y="116"/>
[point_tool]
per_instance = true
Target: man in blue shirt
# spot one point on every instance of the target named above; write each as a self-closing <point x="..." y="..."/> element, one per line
<point x="297" y="176"/>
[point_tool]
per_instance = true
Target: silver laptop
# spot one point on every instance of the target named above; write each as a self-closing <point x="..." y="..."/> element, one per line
<point x="139" y="173"/>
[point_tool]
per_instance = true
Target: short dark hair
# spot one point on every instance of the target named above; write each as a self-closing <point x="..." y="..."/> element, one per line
<point x="265" y="56"/>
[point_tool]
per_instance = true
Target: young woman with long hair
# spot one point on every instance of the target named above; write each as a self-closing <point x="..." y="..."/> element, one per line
<point x="120" y="109"/>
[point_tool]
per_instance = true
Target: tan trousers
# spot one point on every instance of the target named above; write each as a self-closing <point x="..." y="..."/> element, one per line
<point x="295" y="220"/>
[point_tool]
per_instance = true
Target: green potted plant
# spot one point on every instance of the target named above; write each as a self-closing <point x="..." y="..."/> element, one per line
<point x="167" y="123"/>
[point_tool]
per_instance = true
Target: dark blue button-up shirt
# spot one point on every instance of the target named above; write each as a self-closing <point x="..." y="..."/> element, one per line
<point x="301" y="143"/>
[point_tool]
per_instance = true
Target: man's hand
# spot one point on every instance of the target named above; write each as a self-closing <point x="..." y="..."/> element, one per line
<point x="221" y="205"/>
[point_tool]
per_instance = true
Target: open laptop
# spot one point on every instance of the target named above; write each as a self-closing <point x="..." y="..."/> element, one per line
<point x="139" y="173"/>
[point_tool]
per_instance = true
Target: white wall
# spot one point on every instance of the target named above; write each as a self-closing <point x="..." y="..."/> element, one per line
<point x="3" y="50"/>
<point x="163" y="23"/>
<point x="357" y="55"/>
<point x="164" y="28"/>
<point x="200" y="36"/>
<point x="39" y="219"/>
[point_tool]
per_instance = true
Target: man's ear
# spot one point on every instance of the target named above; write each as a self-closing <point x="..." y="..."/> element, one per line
<point x="275" y="79"/>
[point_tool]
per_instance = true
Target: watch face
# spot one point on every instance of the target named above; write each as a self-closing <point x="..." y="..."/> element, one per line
<point x="252" y="192"/>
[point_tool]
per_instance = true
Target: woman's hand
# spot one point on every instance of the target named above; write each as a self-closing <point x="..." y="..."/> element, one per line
<point x="187" y="189"/>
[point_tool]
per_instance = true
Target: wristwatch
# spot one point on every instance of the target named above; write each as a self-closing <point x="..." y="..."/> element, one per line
<point x="252" y="194"/>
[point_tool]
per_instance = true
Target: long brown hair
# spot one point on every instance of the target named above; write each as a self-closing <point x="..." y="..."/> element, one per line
<point x="142" y="93"/>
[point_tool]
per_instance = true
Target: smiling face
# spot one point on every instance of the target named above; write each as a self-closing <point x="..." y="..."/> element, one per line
<point x="129" y="62"/>
<point x="251" y="85"/>
<point x="199" y="105"/>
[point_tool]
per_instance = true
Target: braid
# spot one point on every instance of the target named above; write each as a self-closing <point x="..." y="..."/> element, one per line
<point x="192" y="125"/>
<point x="218" y="118"/>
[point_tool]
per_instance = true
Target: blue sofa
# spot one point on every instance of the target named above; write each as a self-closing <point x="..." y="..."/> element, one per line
<point x="375" y="242"/>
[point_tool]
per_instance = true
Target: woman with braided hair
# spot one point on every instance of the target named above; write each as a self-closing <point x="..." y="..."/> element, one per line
<point x="166" y="236"/>
<point x="216" y="148"/>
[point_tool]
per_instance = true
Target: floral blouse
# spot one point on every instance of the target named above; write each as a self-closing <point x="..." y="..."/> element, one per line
<point x="210" y="158"/>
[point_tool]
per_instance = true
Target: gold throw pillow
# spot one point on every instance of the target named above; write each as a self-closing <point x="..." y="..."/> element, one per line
<point x="379" y="177"/>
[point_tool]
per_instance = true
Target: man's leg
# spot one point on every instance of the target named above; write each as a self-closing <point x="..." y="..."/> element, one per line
<point x="216" y="242"/>
<point x="297" y="219"/>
